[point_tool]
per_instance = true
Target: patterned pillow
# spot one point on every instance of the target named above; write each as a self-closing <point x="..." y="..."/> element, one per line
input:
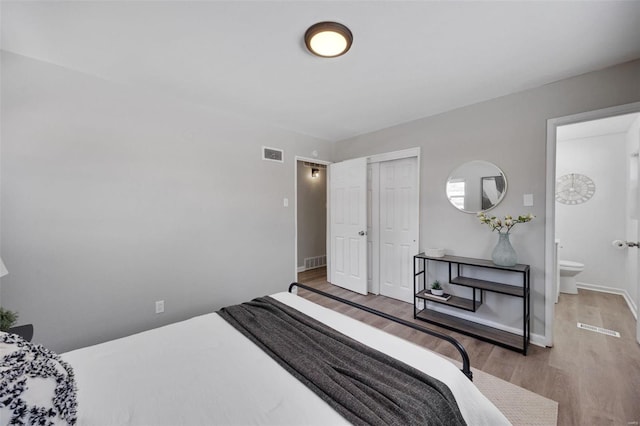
<point x="36" y="386"/>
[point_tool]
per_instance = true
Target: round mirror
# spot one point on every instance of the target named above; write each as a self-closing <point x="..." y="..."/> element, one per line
<point x="476" y="186"/>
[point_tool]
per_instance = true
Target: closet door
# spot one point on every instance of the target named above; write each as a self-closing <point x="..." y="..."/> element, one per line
<point x="398" y="227"/>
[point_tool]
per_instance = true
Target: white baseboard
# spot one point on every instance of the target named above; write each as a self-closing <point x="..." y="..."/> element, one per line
<point x="538" y="340"/>
<point x="604" y="289"/>
<point x="301" y="269"/>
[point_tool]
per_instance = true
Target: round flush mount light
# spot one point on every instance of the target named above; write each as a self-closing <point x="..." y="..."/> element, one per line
<point x="328" y="39"/>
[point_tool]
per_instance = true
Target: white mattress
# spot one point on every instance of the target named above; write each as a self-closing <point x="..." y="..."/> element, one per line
<point x="203" y="372"/>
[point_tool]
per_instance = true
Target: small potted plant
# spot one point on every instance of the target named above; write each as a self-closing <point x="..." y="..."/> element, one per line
<point x="436" y="288"/>
<point x="7" y="319"/>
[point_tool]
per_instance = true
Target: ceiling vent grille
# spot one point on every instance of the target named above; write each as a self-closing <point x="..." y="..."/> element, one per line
<point x="272" y="154"/>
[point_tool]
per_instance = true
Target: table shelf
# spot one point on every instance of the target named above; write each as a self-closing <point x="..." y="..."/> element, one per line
<point x="517" y="342"/>
<point x="455" y="301"/>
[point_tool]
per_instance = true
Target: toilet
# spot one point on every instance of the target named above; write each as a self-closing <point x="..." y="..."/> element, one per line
<point x="568" y="272"/>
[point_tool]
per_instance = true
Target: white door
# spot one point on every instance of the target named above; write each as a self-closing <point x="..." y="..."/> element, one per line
<point x="398" y="227"/>
<point x="348" y="224"/>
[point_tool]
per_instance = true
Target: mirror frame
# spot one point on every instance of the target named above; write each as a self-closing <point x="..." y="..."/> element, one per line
<point x="481" y="183"/>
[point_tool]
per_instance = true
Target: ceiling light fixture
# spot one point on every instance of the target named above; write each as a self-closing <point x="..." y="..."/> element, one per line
<point x="328" y="39"/>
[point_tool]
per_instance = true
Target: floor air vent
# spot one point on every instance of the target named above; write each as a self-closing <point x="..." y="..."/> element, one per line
<point x="598" y="329"/>
<point x="315" y="262"/>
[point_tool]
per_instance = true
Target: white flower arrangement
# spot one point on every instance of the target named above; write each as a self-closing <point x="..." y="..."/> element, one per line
<point x="503" y="226"/>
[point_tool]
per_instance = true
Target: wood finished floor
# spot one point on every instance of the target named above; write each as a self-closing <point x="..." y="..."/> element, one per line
<point x="595" y="378"/>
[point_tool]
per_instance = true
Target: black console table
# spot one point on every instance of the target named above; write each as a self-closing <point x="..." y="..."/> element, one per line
<point x="457" y="268"/>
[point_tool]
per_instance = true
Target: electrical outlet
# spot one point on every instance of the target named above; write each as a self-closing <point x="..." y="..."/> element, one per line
<point x="159" y="306"/>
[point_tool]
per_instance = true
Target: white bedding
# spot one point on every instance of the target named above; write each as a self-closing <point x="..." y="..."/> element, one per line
<point x="203" y="372"/>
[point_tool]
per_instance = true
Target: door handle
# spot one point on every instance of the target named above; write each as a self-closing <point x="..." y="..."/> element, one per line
<point x="362" y="233"/>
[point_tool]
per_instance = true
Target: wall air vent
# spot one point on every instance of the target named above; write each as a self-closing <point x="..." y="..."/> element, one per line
<point x="272" y="154"/>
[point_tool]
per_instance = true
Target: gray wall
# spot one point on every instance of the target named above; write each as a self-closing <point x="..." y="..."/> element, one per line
<point x="312" y="213"/>
<point x="113" y="199"/>
<point x="586" y="230"/>
<point x="509" y="131"/>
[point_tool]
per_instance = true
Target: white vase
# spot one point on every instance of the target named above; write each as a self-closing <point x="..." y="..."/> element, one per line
<point x="437" y="292"/>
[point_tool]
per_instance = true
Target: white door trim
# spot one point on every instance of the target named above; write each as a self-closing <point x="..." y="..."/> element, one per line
<point x="550" y="228"/>
<point x="295" y="210"/>
<point x="395" y="155"/>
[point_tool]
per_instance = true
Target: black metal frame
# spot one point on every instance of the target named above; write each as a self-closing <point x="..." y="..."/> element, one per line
<point x="459" y="273"/>
<point x="525" y="270"/>
<point x="466" y="365"/>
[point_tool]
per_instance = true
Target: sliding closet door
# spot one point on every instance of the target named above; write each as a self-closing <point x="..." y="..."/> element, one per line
<point x="398" y="227"/>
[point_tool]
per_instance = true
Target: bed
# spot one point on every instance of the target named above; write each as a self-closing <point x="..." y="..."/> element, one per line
<point x="203" y="371"/>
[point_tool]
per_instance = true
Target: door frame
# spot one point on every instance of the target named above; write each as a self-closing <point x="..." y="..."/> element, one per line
<point x="375" y="256"/>
<point x="550" y="227"/>
<point x="375" y="158"/>
<point x="295" y="209"/>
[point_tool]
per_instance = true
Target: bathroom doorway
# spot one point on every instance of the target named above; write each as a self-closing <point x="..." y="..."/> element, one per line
<point x="592" y="196"/>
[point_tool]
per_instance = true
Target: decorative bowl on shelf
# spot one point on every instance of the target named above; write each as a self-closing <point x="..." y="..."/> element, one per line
<point x="434" y="252"/>
<point x="438" y="292"/>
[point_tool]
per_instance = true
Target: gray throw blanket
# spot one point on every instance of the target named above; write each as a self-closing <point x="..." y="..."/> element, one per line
<point x="365" y="386"/>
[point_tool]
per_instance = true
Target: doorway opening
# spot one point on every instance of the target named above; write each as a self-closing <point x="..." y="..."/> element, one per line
<point x="592" y="201"/>
<point x="310" y="214"/>
<point x="378" y="225"/>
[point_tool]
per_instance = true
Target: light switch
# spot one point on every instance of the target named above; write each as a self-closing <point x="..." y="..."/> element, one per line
<point x="527" y="200"/>
<point x="285" y="202"/>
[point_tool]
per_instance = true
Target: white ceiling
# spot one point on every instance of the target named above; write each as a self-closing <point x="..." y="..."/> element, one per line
<point x="408" y="60"/>
<point x="603" y="126"/>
